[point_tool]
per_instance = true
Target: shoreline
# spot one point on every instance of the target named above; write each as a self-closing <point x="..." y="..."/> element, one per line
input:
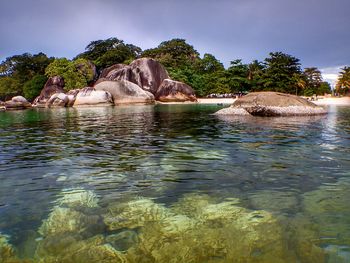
<point x="345" y="101"/>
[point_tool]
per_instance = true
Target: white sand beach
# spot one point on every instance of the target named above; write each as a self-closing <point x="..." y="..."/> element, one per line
<point x="333" y="101"/>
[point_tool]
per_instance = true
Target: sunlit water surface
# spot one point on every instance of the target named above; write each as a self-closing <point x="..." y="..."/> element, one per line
<point x="173" y="183"/>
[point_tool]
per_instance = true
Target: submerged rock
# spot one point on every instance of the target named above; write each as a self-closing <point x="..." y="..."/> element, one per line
<point x="125" y="92"/>
<point x="78" y="198"/>
<point x="272" y="104"/>
<point x="175" y="91"/>
<point x="90" y="97"/>
<point x="52" y="86"/>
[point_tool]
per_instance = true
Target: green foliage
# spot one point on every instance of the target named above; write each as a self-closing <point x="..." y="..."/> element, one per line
<point x="76" y="74"/>
<point x="343" y="83"/>
<point x="9" y="87"/>
<point x="281" y="73"/>
<point x="33" y="87"/>
<point x="237" y="76"/>
<point x="18" y="69"/>
<point x="105" y="53"/>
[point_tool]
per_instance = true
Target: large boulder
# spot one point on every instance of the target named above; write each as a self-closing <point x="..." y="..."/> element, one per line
<point x="148" y="73"/>
<point x="90" y="97"/>
<point x="17" y="103"/>
<point x="272" y="104"/>
<point x="110" y="70"/>
<point x="125" y="92"/>
<point x="175" y="91"/>
<point x="58" y="100"/>
<point x="53" y="85"/>
<point x="145" y="72"/>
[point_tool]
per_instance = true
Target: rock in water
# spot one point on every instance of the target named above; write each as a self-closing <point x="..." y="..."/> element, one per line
<point x="148" y="73"/>
<point x="125" y="92"/>
<point x="272" y="104"/>
<point x="90" y="97"/>
<point x="145" y="72"/>
<point x="17" y="103"/>
<point x="57" y="100"/>
<point x="53" y="85"/>
<point x="175" y="91"/>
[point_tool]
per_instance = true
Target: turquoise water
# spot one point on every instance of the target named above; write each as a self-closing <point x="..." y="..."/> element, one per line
<point x="173" y="183"/>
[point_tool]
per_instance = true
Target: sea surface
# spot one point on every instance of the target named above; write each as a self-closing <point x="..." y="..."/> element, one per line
<point x="173" y="183"/>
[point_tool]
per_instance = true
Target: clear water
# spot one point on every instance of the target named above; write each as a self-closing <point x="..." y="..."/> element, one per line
<point x="173" y="183"/>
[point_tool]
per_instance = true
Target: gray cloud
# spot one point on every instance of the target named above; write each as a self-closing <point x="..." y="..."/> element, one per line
<point x="316" y="31"/>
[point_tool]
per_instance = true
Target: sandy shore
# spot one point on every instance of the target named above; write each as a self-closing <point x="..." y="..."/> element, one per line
<point x="333" y="101"/>
<point x="204" y="101"/>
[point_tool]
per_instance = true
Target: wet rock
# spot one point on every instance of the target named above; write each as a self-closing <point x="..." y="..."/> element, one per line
<point x="57" y="100"/>
<point x="125" y="92"/>
<point x="77" y="198"/>
<point x="52" y="86"/>
<point x="272" y="104"/>
<point x="175" y="91"/>
<point x="17" y="103"/>
<point x="90" y="97"/>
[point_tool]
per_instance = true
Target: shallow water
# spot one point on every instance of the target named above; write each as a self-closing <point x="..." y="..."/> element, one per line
<point x="178" y="166"/>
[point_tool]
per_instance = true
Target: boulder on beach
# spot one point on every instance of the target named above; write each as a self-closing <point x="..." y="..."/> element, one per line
<point x="175" y="91"/>
<point x="107" y="72"/>
<point x="57" y="100"/>
<point x="53" y="85"/>
<point x="272" y="104"/>
<point x="17" y="103"/>
<point x="147" y="73"/>
<point x="90" y="97"/>
<point x="125" y="92"/>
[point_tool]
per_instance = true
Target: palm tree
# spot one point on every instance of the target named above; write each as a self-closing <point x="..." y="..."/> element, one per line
<point x="343" y="83"/>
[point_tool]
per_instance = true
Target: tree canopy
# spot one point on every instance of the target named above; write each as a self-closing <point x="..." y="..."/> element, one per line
<point x="26" y="74"/>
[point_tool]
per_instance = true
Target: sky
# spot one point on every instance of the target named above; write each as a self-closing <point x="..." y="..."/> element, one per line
<point x="315" y="31"/>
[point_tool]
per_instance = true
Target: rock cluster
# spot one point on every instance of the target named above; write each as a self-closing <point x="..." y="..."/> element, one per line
<point x="272" y="104"/>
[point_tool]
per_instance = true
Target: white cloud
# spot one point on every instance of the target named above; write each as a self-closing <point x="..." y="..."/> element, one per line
<point x="331" y="74"/>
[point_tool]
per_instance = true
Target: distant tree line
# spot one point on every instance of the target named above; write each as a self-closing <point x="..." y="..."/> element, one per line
<point x="26" y="74"/>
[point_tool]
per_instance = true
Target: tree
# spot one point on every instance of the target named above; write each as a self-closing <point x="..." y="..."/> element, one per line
<point x="18" y="69"/>
<point x="76" y="74"/>
<point x="33" y="87"/>
<point x="173" y="53"/>
<point x="237" y="76"/>
<point x="343" y="83"/>
<point x="105" y="53"/>
<point x="281" y="73"/>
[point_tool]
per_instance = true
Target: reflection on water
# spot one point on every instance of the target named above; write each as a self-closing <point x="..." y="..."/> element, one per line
<point x="171" y="183"/>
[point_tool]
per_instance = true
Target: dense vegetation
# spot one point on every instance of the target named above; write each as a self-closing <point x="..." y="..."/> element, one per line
<point x="26" y="74"/>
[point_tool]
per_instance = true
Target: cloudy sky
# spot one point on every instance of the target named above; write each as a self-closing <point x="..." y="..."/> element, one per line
<point x="315" y="31"/>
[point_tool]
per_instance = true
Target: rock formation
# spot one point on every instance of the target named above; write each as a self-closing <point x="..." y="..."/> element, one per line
<point x="89" y="97"/>
<point x="17" y="103"/>
<point x="272" y="104"/>
<point x="52" y="86"/>
<point x="125" y="92"/>
<point x="57" y="100"/>
<point x="175" y="91"/>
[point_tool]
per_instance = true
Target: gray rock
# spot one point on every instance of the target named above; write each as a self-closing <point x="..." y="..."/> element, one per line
<point x="272" y="104"/>
<point x="57" y="100"/>
<point x="90" y="97"/>
<point x="175" y="91"/>
<point x="52" y="86"/>
<point x="145" y="72"/>
<point x="17" y="103"/>
<point x="125" y="92"/>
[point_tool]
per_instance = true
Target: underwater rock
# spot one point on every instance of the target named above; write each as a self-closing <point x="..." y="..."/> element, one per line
<point x="73" y="250"/>
<point x="329" y="208"/>
<point x="6" y="250"/>
<point x="275" y="201"/>
<point x="62" y="220"/>
<point x="78" y="198"/>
